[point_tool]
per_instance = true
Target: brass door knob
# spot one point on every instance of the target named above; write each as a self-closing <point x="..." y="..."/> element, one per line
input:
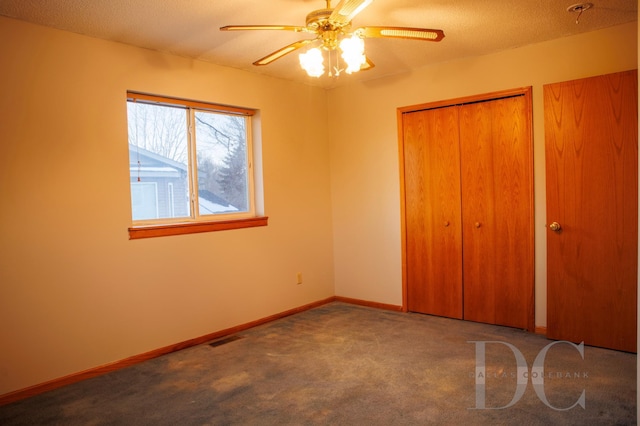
<point x="555" y="227"/>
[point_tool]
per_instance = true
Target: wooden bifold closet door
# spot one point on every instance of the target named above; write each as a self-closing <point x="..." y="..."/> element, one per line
<point x="468" y="209"/>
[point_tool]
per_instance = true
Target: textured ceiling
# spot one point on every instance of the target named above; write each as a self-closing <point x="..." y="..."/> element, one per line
<point x="191" y="28"/>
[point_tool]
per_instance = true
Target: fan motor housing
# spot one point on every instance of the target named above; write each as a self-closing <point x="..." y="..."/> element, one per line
<point x="319" y="20"/>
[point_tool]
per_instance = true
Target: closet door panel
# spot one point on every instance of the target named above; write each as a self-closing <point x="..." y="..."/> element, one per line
<point x="478" y="213"/>
<point x="497" y="206"/>
<point x="513" y="174"/>
<point x="432" y="212"/>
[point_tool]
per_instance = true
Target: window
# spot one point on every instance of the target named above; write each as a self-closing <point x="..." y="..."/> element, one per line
<point x="191" y="166"/>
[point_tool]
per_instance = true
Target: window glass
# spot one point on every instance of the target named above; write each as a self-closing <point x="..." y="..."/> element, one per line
<point x="158" y="153"/>
<point x="221" y="151"/>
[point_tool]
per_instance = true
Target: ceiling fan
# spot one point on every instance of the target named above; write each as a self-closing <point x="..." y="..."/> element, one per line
<point x="333" y="26"/>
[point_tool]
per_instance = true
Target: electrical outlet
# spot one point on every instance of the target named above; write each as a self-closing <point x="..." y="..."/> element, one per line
<point x="299" y="278"/>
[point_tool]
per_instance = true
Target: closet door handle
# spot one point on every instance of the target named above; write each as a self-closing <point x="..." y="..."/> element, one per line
<point x="555" y="227"/>
<point x="446" y="223"/>
<point x="477" y="224"/>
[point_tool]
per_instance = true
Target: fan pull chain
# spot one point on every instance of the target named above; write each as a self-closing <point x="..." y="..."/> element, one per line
<point x="330" y="66"/>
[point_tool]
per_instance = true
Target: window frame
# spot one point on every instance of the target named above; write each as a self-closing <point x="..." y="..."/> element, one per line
<point x="196" y="223"/>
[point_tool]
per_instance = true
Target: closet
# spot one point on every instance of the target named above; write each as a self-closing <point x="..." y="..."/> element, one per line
<point x="467" y="208"/>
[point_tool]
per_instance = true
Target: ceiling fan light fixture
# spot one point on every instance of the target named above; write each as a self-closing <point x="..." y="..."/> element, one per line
<point x="353" y="53"/>
<point x="311" y="62"/>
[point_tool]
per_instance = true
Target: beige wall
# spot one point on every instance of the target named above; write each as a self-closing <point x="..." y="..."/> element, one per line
<point x="75" y="292"/>
<point x="364" y="148"/>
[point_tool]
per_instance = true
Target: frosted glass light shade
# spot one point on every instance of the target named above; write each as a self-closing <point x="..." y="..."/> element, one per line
<point x="311" y="62"/>
<point x="353" y="53"/>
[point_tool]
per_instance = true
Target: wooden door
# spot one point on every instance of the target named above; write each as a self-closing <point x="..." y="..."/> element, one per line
<point x="497" y="212"/>
<point x="591" y="145"/>
<point x="433" y="248"/>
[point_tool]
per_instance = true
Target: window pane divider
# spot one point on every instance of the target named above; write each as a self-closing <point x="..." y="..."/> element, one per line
<point x="193" y="160"/>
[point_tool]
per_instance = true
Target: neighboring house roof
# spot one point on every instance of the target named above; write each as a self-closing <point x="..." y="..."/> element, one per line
<point x="208" y="207"/>
<point x="154" y="172"/>
<point x="213" y="198"/>
<point x="154" y="159"/>
<point x="211" y="203"/>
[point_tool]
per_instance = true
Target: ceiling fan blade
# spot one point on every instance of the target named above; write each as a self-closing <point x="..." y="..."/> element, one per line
<point x="367" y="65"/>
<point x="346" y="10"/>
<point x="281" y="52"/>
<point x="264" y="27"/>
<point x="401" y="32"/>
